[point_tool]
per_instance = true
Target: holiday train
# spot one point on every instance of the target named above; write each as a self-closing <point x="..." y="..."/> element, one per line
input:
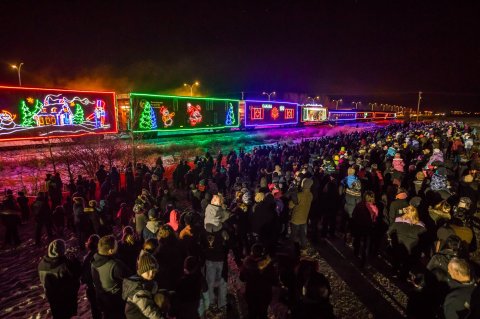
<point x="39" y="113"/>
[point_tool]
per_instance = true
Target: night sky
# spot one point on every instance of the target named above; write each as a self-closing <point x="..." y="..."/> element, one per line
<point x="355" y="50"/>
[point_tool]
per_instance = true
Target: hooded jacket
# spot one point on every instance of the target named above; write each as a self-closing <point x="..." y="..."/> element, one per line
<point x="139" y="295"/>
<point x="108" y="274"/>
<point x="60" y="278"/>
<point x="300" y="211"/>
<point x="151" y="229"/>
<point x="214" y="215"/>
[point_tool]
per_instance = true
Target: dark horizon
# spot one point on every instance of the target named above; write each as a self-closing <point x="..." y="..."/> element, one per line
<point x="355" y="50"/>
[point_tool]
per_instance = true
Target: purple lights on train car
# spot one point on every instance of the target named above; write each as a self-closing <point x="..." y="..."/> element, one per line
<point x="270" y="113"/>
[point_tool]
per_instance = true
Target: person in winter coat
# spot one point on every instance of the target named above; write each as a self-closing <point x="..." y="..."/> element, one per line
<point x="189" y="289"/>
<point x="170" y="257"/>
<point x="43" y="217"/>
<point x="60" y="277"/>
<point x="140" y="219"/>
<point x="364" y="217"/>
<point x="397" y="206"/>
<point x="215" y="214"/>
<point x="152" y="226"/>
<point x="259" y="275"/>
<point x="93" y="213"/>
<point x="125" y="214"/>
<point x="22" y="201"/>
<point x="353" y="195"/>
<point x="81" y="222"/>
<point x="398" y="163"/>
<point x="86" y="278"/>
<point x="405" y="234"/>
<point x="140" y="291"/>
<point x="174" y="219"/>
<point x="215" y="245"/>
<point x="58" y="218"/>
<point x="438" y="264"/>
<point x="108" y="273"/>
<point x="457" y="302"/>
<point x="128" y="248"/>
<point x="300" y="210"/>
<point x="262" y="220"/>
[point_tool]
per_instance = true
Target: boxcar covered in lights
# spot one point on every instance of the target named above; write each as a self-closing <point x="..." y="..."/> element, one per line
<point x="167" y="113"/>
<point x="262" y="114"/>
<point x="355" y="115"/>
<point x="39" y="113"/>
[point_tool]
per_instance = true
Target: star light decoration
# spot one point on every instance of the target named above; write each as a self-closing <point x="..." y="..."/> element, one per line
<point x="30" y="100"/>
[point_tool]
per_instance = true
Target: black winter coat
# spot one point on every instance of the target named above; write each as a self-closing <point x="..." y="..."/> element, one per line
<point x="60" y="279"/>
<point x="457" y="298"/>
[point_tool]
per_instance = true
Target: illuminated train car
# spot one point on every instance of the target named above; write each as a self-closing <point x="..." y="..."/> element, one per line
<point x="175" y="114"/>
<point x="385" y="116"/>
<point x="261" y="114"/>
<point x="350" y="115"/>
<point x="38" y="113"/>
<point x="312" y="114"/>
<point x="341" y="116"/>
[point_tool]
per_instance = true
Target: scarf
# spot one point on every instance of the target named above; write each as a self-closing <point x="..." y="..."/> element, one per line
<point x="373" y="209"/>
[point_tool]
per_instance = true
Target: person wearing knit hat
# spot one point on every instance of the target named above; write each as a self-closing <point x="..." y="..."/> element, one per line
<point x="60" y="277"/>
<point x="140" y="290"/>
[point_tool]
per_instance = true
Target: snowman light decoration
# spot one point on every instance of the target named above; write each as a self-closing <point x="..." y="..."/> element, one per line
<point x="167" y="117"/>
<point x="7" y="119"/>
<point x="194" y="114"/>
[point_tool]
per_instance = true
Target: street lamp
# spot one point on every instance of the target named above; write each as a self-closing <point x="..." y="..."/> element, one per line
<point x="191" y="86"/>
<point x="372" y="105"/>
<point x="313" y="99"/>
<point x="336" y="101"/>
<point x="19" y="68"/>
<point x="269" y="94"/>
<point x="356" y="104"/>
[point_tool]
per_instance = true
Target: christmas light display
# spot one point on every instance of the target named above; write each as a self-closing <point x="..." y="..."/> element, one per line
<point x="313" y="113"/>
<point x="342" y="116"/>
<point x="230" y="115"/>
<point x="269" y="113"/>
<point x="49" y="112"/>
<point x="275" y="113"/>
<point x="167" y="117"/>
<point x="148" y="120"/>
<point x="184" y="113"/>
<point x="79" y="117"/>
<point x="194" y="114"/>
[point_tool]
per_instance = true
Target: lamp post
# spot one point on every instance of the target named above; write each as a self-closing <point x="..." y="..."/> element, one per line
<point x="372" y="105"/>
<point x="196" y="83"/>
<point x="19" y="68"/>
<point x="356" y="104"/>
<point x="269" y="94"/>
<point x="313" y="99"/>
<point x="336" y="103"/>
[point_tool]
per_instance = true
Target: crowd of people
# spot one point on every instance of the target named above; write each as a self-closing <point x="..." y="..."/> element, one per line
<point x="155" y="248"/>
